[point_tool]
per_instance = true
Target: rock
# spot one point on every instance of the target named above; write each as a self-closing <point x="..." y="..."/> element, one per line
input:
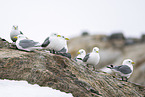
<point x="4" y="43"/>
<point x="63" y="74"/>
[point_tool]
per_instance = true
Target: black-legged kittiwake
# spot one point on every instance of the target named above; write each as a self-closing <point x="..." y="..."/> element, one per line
<point x="65" y="48"/>
<point x="55" y="42"/>
<point x="23" y="43"/>
<point x="81" y="54"/>
<point x="14" y="32"/>
<point x="92" y="58"/>
<point x="124" y="70"/>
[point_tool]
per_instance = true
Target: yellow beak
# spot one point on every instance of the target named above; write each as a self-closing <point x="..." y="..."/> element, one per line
<point x="58" y="35"/>
<point x="79" y="53"/>
<point x="132" y="62"/>
<point x="66" y="38"/>
<point x="15" y="37"/>
<point x="97" y="51"/>
<point x="15" y="28"/>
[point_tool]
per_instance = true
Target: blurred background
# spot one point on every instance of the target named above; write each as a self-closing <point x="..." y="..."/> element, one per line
<point x="117" y="27"/>
<point x="114" y="49"/>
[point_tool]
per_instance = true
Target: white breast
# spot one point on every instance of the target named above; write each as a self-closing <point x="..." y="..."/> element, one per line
<point x="94" y="59"/>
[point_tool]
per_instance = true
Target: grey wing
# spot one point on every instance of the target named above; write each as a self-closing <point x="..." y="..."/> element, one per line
<point x="27" y="43"/>
<point x="123" y="69"/>
<point x="86" y="57"/>
<point x="63" y="50"/>
<point x="46" y="42"/>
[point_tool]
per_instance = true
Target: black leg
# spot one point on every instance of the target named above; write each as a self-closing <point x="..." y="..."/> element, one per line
<point x="122" y="78"/>
<point x="53" y="51"/>
<point x="87" y="65"/>
<point x="50" y="51"/>
<point x="94" y="68"/>
<point x="126" y="79"/>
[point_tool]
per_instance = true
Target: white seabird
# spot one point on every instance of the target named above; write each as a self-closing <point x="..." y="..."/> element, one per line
<point x="55" y="42"/>
<point x="92" y="58"/>
<point x="49" y="42"/>
<point x="124" y="70"/>
<point x="23" y="43"/>
<point x="81" y="54"/>
<point x="64" y="40"/>
<point x="15" y="32"/>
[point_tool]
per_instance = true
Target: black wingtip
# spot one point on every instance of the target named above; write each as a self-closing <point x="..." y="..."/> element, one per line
<point x="80" y="58"/>
<point x="21" y="32"/>
<point x="110" y="66"/>
<point x="43" y="45"/>
<point x="3" y="39"/>
<point x="46" y="42"/>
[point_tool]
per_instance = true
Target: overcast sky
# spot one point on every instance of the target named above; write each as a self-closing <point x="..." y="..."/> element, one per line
<point x="38" y="18"/>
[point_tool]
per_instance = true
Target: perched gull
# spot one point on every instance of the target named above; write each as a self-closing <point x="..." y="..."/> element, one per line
<point x="65" y="48"/>
<point x="49" y="42"/>
<point x="14" y="32"/>
<point x="80" y="56"/>
<point x="125" y="70"/>
<point x="92" y="58"/>
<point x="56" y="42"/>
<point x="23" y="43"/>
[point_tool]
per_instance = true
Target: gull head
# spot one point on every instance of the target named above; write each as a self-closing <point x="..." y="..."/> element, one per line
<point x="62" y="37"/>
<point x="20" y="37"/>
<point x="96" y="49"/>
<point x="82" y="52"/>
<point x="128" y="62"/>
<point x="53" y="35"/>
<point x="15" y="27"/>
<point x="65" y="38"/>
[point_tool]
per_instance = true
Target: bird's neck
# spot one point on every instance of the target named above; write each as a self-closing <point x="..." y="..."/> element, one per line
<point x="14" y="29"/>
<point x="81" y="55"/>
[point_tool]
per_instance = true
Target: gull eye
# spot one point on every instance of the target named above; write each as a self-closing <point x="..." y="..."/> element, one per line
<point x="129" y="61"/>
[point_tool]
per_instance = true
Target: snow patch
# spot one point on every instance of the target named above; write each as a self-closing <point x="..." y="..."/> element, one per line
<point x="11" y="88"/>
